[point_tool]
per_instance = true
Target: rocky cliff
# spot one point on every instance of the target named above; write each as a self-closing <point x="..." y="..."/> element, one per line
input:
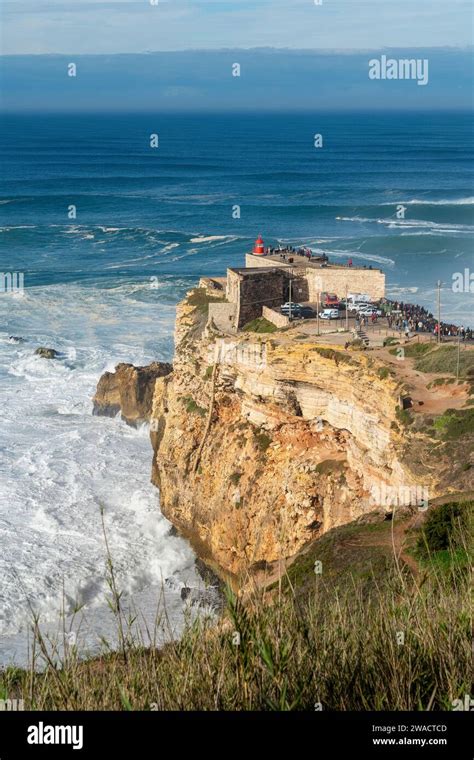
<point x="129" y="390"/>
<point x="262" y="443"/>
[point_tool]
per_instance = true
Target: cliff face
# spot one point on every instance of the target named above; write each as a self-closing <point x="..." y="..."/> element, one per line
<point x="129" y="390"/>
<point x="262" y="443"/>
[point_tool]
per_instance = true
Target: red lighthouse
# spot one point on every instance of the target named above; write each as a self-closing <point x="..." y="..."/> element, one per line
<point x="258" y="247"/>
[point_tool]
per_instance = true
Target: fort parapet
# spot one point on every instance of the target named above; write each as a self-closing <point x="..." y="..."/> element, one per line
<point x="325" y="277"/>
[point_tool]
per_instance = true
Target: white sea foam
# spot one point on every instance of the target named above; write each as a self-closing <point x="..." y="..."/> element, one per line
<point x="442" y="202"/>
<point x="60" y="464"/>
<point x="210" y="238"/>
<point x="415" y="224"/>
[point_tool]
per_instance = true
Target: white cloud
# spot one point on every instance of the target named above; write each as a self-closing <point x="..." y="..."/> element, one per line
<point x="127" y="26"/>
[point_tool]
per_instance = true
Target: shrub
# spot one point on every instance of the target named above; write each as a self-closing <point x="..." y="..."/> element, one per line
<point x="260" y="325"/>
<point x="445" y="527"/>
<point x="455" y="423"/>
<point x="262" y="440"/>
<point x="192" y="407"/>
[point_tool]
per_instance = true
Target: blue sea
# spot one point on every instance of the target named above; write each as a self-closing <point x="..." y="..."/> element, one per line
<point x="102" y="288"/>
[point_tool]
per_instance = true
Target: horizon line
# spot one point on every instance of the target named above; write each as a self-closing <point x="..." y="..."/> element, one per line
<point x="267" y="48"/>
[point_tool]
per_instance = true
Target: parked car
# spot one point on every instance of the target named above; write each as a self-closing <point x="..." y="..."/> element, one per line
<point x="358" y="298"/>
<point x="330" y="301"/>
<point x="296" y="309"/>
<point x="329" y="314"/>
<point x="367" y="311"/>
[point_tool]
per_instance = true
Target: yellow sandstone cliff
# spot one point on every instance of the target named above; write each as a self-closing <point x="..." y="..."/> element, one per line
<point x="262" y="443"/>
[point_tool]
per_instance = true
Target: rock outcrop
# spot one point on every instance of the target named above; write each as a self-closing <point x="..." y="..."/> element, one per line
<point x="129" y="390"/>
<point x="46" y="353"/>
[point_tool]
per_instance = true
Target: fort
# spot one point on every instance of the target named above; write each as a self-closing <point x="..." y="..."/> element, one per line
<point x="270" y="275"/>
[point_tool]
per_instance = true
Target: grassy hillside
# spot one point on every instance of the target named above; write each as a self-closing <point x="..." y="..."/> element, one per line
<point x="366" y="631"/>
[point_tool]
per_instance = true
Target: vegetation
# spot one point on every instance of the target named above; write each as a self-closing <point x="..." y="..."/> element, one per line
<point x="330" y="465"/>
<point x="444" y="359"/>
<point x="356" y="345"/>
<point x="336" y="356"/>
<point x="262" y="440"/>
<point x="235" y="478"/>
<point x="383" y="372"/>
<point x="260" y="325"/>
<point x="200" y="299"/>
<point x="359" y="635"/>
<point x="192" y="407"/>
<point x="454" y="423"/>
<point x="403" y="416"/>
<point x="442" y="539"/>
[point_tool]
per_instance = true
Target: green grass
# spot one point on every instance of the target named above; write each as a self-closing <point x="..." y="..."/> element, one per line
<point x="260" y="325"/>
<point x="383" y="373"/>
<point x="445" y="539"/>
<point x="413" y="350"/>
<point x="200" y="299"/>
<point x="444" y="359"/>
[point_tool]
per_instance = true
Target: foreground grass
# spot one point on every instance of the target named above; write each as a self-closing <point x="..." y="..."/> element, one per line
<point x="403" y="646"/>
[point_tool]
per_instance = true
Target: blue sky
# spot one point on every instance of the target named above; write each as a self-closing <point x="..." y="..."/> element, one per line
<point x="135" y="26"/>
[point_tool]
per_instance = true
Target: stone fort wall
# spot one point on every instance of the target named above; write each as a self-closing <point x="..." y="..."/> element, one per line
<point x="330" y="280"/>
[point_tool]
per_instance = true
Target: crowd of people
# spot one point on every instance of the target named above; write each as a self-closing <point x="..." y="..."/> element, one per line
<point x="411" y="318"/>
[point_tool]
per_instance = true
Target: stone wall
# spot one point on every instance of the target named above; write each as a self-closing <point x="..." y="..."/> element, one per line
<point x="263" y="261"/>
<point x="223" y="316"/>
<point x="275" y="317"/>
<point x="328" y="280"/>
<point x="251" y="289"/>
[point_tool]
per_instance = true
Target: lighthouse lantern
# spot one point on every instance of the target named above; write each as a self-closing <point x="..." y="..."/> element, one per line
<point x="258" y="247"/>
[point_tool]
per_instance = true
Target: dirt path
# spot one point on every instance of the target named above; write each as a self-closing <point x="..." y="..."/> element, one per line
<point x="433" y="400"/>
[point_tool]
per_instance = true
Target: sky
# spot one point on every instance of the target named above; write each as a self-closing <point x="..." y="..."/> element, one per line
<point x="137" y="26"/>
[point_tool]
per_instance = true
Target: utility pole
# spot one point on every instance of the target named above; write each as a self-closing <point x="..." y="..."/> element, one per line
<point x="290" y="294"/>
<point x="459" y="355"/>
<point x="347" y="313"/>
<point x="438" y="285"/>
<point x="318" y="312"/>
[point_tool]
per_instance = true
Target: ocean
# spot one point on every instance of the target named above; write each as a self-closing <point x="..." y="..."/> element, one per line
<point x="101" y="281"/>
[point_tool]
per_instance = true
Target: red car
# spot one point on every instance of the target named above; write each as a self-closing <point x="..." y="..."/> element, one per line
<point x="331" y="301"/>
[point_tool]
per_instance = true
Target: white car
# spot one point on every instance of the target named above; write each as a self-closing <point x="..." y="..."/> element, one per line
<point x="358" y="307"/>
<point x="329" y="314"/>
<point x="369" y="310"/>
